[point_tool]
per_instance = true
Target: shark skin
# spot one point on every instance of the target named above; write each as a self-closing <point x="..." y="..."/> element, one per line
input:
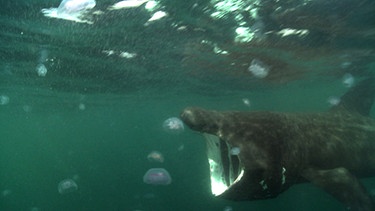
<point x="276" y="150"/>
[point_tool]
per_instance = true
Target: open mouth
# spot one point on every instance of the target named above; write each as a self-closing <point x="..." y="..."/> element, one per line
<point x="225" y="165"/>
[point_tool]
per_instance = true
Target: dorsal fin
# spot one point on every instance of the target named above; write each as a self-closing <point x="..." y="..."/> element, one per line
<point x="359" y="98"/>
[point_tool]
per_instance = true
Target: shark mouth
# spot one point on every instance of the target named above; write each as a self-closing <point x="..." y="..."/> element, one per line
<point x="225" y="165"/>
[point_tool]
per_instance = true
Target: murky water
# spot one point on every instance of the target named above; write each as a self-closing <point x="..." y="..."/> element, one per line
<point x="86" y="100"/>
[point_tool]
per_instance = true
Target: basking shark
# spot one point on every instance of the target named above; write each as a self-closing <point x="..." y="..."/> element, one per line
<point x="258" y="155"/>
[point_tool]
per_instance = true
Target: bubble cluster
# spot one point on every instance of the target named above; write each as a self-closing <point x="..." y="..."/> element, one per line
<point x="173" y="125"/>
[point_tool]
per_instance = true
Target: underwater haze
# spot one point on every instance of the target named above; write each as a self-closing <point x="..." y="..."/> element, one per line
<point x="86" y="87"/>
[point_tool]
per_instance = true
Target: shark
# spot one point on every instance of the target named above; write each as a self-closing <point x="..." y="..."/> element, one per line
<point x="260" y="154"/>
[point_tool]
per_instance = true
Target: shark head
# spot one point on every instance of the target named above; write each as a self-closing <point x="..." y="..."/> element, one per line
<point x="225" y="166"/>
<point x="237" y="159"/>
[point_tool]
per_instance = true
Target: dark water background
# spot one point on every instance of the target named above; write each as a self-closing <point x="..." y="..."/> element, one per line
<point x="95" y="117"/>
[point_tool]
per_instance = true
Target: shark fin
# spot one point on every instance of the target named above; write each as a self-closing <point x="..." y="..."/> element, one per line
<point x="358" y="99"/>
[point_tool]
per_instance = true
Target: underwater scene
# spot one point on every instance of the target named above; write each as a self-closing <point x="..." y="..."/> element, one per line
<point x="164" y="105"/>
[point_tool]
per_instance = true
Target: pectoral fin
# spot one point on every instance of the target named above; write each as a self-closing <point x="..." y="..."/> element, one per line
<point x="342" y="185"/>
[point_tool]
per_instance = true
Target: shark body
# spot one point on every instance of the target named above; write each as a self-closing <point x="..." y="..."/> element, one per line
<point x="260" y="154"/>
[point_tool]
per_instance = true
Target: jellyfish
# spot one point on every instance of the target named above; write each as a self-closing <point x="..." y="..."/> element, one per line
<point x="157" y="176"/>
<point x="235" y="151"/>
<point x="4" y="99"/>
<point x="41" y="69"/>
<point x="173" y="125"/>
<point x="246" y="102"/>
<point x="348" y="80"/>
<point x="258" y="68"/>
<point x="67" y="186"/>
<point x="333" y="100"/>
<point x="155" y="156"/>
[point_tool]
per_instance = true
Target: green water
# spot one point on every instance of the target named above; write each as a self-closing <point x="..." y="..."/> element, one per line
<point x="105" y="147"/>
<point x="95" y="116"/>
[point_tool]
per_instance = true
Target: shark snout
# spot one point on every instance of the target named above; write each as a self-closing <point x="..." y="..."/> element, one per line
<point x="199" y="120"/>
<point x="190" y="117"/>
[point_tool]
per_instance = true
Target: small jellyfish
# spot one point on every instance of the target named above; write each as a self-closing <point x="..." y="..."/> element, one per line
<point x="6" y="192"/>
<point x="75" y="6"/>
<point x="4" y="99"/>
<point x="348" y="80"/>
<point x="43" y="56"/>
<point x="155" y="156"/>
<point x="27" y="108"/>
<point x="228" y="208"/>
<point x="258" y="68"/>
<point x="173" y="125"/>
<point x="345" y="65"/>
<point x="41" y="70"/>
<point x="235" y="151"/>
<point x="333" y="100"/>
<point x="81" y="106"/>
<point x="157" y="176"/>
<point x="149" y="196"/>
<point x="246" y="102"/>
<point x="181" y="147"/>
<point x="67" y="186"/>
